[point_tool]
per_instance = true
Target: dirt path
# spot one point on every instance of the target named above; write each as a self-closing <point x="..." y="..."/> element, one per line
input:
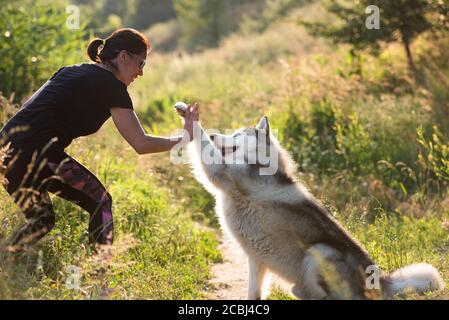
<point x="230" y="278"/>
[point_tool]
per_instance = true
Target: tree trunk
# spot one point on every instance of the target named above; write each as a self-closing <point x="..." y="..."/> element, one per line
<point x="411" y="64"/>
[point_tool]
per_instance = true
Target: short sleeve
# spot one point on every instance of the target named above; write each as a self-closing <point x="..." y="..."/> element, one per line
<point x="56" y="73"/>
<point x="116" y="96"/>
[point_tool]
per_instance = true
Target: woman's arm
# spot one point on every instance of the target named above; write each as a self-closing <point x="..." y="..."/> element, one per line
<point x="131" y="130"/>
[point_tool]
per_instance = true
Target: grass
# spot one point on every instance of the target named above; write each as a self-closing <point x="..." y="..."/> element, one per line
<point x="363" y="126"/>
<point x="394" y="242"/>
<point x="159" y="252"/>
<point x="354" y="137"/>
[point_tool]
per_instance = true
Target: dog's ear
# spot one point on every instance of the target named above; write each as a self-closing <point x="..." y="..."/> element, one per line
<point x="263" y="124"/>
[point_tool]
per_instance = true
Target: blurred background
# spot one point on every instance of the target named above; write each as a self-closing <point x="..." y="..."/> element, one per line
<point x="364" y="112"/>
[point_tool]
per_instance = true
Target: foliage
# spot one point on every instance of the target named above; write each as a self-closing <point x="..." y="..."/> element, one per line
<point x="355" y="141"/>
<point x="433" y="160"/>
<point x="158" y="253"/>
<point x="202" y="21"/>
<point x="35" y="43"/>
<point x="400" y="21"/>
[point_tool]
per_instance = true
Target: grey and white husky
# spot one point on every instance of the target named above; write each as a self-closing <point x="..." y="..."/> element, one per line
<point x="282" y="228"/>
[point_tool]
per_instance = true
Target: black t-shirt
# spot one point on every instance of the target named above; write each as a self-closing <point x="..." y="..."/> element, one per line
<point x="75" y="102"/>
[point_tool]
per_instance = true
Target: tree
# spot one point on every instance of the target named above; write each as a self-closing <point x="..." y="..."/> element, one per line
<point x="202" y="21"/>
<point x="400" y="20"/>
<point x="272" y="11"/>
<point x="35" y="42"/>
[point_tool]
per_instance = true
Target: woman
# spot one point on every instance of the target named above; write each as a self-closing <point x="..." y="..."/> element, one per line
<point x="75" y="102"/>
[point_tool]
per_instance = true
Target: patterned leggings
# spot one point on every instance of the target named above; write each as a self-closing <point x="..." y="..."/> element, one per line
<point x="65" y="177"/>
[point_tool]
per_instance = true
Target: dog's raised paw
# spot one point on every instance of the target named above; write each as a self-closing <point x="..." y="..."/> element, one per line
<point x="180" y="106"/>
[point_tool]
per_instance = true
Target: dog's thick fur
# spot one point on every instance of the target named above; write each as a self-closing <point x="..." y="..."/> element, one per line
<point x="282" y="228"/>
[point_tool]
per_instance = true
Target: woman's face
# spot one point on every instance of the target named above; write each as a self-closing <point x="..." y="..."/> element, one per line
<point x="130" y="66"/>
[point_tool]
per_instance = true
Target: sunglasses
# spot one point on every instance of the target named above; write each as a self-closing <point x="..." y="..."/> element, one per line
<point x="141" y="64"/>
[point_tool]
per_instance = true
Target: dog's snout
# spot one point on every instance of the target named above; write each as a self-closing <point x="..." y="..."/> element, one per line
<point x="212" y="137"/>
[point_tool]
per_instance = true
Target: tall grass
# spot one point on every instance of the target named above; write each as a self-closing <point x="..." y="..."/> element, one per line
<point x="159" y="253"/>
<point x="3" y="155"/>
<point x="355" y="139"/>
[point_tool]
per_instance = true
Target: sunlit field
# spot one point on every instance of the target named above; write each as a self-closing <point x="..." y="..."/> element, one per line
<point x="369" y="136"/>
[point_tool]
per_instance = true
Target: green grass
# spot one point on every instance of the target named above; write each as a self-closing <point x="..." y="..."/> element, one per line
<point x="362" y="156"/>
<point x="159" y="253"/>
<point x="354" y="137"/>
<point x="394" y="242"/>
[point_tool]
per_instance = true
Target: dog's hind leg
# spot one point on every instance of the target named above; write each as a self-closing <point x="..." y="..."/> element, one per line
<point x="257" y="271"/>
<point x="311" y="284"/>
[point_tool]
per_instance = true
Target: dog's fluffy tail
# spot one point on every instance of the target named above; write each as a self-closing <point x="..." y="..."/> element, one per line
<point x="419" y="278"/>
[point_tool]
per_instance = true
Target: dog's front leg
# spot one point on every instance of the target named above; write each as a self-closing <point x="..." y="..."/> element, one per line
<point x="208" y="158"/>
<point x="255" y="279"/>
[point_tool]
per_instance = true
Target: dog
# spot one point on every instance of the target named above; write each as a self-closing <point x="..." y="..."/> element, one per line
<point x="282" y="228"/>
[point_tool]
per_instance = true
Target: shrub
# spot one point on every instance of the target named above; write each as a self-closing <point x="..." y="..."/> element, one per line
<point x="35" y="42"/>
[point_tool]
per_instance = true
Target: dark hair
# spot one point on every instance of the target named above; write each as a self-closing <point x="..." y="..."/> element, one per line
<point x="128" y="39"/>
